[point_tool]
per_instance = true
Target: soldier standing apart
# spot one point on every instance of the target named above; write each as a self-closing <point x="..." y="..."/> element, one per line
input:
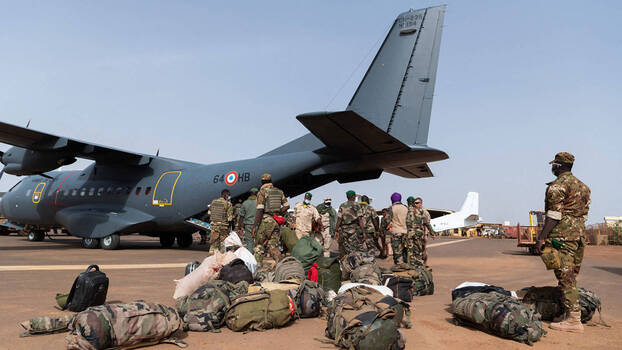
<point x="247" y="219"/>
<point x="328" y="217"/>
<point x="372" y="230"/>
<point x="305" y="215"/>
<point x="417" y="221"/>
<point x="265" y="231"/>
<point x="567" y="202"/>
<point x="399" y="233"/>
<point x="349" y="228"/>
<point x="220" y="213"/>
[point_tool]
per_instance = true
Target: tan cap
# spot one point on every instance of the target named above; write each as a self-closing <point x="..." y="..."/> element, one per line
<point x="563" y="157"/>
<point x="266" y="177"/>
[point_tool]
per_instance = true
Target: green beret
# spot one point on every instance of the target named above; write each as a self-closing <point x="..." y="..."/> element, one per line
<point x="254" y="190"/>
<point x="350" y="193"/>
<point x="411" y="198"/>
<point x="563" y="157"/>
<point x="308" y="194"/>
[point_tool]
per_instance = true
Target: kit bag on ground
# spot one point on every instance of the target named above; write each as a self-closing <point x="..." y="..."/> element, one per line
<point x="329" y="274"/>
<point x="89" y="289"/>
<point x="235" y="271"/>
<point x="288" y="237"/>
<point x="368" y="273"/>
<point x="500" y="315"/>
<point x="307" y="251"/>
<point x="402" y="287"/>
<point x="191" y="267"/>
<point x="353" y="260"/>
<point x="123" y="325"/>
<point x="549" y="303"/>
<point x="308" y="299"/>
<point x="289" y="268"/>
<point x="259" y="311"/>
<point x="421" y="276"/>
<point x="46" y="325"/>
<point x="204" y="310"/>
<point x="466" y="291"/>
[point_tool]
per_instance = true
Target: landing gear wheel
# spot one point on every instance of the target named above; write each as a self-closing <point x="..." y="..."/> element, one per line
<point x="111" y="242"/>
<point x="184" y="240"/>
<point x="90" y="243"/>
<point x="36" y="236"/>
<point x="167" y="241"/>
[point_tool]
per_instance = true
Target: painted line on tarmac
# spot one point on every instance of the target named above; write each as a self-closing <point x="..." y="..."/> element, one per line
<point x="82" y="267"/>
<point x="444" y="243"/>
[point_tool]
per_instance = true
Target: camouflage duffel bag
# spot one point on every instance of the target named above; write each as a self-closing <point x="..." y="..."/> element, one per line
<point x="549" y="303"/>
<point x="367" y="273"/>
<point x="357" y="322"/>
<point x="260" y="310"/>
<point x="289" y="269"/>
<point x="421" y="276"/>
<point x="46" y="325"/>
<point x="381" y="301"/>
<point x="308" y="298"/>
<point x="353" y="260"/>
<point x="204" y="310"/>
<point x="500" y="315"/>
<point x="133" y="324"/>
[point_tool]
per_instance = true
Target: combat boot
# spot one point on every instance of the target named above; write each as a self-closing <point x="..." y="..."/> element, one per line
<point x="572" y="323"/>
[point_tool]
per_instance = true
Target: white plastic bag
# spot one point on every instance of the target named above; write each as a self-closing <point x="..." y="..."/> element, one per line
<point x="248" y="258"/>
<point x="233" y="240"/>
<point x="382" y="289"/>
<point x="207" y="271"/>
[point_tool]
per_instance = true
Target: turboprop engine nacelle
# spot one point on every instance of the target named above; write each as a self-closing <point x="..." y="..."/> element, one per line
<point x="21" y="161"/>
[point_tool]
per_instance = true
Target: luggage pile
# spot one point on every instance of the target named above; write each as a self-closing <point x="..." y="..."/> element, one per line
<point x="407" y="281"/>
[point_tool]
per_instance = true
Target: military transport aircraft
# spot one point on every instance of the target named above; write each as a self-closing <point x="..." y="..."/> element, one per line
<point x="384" y="128"/>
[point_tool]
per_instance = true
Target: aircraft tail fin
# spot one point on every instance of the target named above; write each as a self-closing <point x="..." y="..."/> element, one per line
<point x="396" y="92"/>
<point x="470" y="207"/>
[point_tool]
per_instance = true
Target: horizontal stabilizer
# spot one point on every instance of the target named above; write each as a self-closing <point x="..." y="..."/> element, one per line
<point x="411" y="171"/>
<point x="349" y="132"/>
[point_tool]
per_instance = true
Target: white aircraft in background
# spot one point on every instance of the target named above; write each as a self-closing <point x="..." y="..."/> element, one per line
<point x="468" y="215"/>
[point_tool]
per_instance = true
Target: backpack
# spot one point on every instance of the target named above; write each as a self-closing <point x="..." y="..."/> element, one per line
<point x="46" y="325"/>
<point x="549" y="303"/>
<point x="401" y="287"/>
<point x="421" y="276"/>
<point x="235" y="271"/>
<point x="500" y="315"/>
<point x="123" y="325"/>
<point x="204" y="310"/>
<point x="88" y="289"/>
<point x="354" y="260"/>
<point x="259" y="311"/>
<point x="288" y="237"/>
<point x="366" y="273"/>
<point x="307" y="251"/>
<point x="287" y="269"/>
<point x="329" y="274"/>
<point x="308" y="299"/>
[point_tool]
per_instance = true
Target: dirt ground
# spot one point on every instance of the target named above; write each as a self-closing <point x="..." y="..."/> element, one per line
<point x="29" y="291"/>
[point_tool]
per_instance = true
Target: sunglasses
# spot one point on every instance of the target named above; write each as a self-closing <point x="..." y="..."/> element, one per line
<point x="417" y="202"/>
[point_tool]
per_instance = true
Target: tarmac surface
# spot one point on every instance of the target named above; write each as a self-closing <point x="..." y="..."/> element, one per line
<point x="31" y="273"/>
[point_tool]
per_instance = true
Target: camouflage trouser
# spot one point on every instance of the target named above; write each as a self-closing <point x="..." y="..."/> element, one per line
<point x="220" y="231"/>
<point x="571" y="255"/>
<point x="371" y="246"/>
<point x="399" y="243"/>
<point x="352" y="239"/>
<point x="268" y="230"/>
<point x="248" y="240"/>
<point x="416" y="248"/>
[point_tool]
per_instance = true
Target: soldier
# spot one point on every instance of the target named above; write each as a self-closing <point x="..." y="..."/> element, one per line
<point x="349" y="228"/>
<point x="236" y="212"/>
<point x="265" y="231"/>
<point x="372" y="230"/>
<point x="399" y="233"/>
<point x="247" y="218"/>
<point x="417" y="221"/>
<point x="305" y="215"/>
<point x="220" y="213"/>
<point x="567" y="202"/>
<point x="385" y="226"/>
<point x="328" y="217"/>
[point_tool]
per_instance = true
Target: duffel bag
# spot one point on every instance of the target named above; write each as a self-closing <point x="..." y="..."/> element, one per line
<point x="354" y="260"/>
<point x="133" y="324"/>
<point x="421" y="275"/>
<point x="549" y="303"/>
<point x="308" y="298"/>
<point x="307" y="250"/>
<point x="329" y="274"/>
<point x="500" y="315"/>
<point x="204" y="310"/>
<point x="289" y="268"/>
<point x="402" y="287"/>
<point x="288" y="237"/>
<point x="235" y="271"/>
<point x="260" y="310"/>
<point x="368" y="273"/>
<point x="46" y="325"/>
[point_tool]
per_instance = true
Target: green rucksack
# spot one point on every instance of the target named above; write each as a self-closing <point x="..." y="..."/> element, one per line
<point x="287" y="269"/>
<point x="423" y="283"/>
<point x="549" y="303"/>
<point x="288" y="237"/>
<point x="307" y="251"/>
<point x="500" y="315"/>
<point x="329" y="274"/>
<point x="204" y="309"/>
<point x="260" y="310"/>
<point x="353" y="260"/>
<point x="366" y="273"/>
<point x="46" y="325"/>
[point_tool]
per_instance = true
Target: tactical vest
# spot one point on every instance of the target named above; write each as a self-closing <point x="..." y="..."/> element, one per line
<point x="273" y="200"/>
<point x="217" y="211"/>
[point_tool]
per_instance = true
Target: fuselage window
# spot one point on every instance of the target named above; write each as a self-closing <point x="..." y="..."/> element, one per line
<point x="128" y="190"/>
<point x="91" y="191"/>
<point x="100" y="191"/>
<point x="109" y="191"/>
<point x="28" y="193"/>
<point x="147" y="191"/>
<point x="119" y="191"/>
<point x="83" y="192"/>
<point x="138" y="189"/>
<point x="74" y="192"/>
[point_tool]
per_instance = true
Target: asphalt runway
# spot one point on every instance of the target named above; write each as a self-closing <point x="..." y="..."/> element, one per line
<point x="31" y="273"/>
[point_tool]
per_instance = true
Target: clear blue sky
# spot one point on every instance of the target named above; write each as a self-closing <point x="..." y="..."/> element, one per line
<point x="208" y="82"/>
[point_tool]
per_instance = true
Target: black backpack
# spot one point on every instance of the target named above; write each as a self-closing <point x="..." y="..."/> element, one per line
<point x="89" y="289"/>
<point x="402" y="287"/>
<point x="235" y="272"/>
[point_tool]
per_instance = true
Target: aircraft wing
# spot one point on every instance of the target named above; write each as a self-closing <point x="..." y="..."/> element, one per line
<point x="40" y="141"/>
<point x="98" y="222"/>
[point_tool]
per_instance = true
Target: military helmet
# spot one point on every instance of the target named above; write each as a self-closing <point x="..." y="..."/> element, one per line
<point x="563" y="157"/>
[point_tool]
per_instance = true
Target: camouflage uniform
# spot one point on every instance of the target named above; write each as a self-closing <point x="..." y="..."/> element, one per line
<point x="268" y="234"/>
<point x="369" y="217"/>
<point x="350" y="235"/>
<point x="221" y="213"/>
<point x="568" y="200"/>
<point x="247" y="219"/>
<point x="417" y="221"/>
<point x="236" y="213"/>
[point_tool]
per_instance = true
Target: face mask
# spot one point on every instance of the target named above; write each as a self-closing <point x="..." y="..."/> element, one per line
<point x="307" y="201"/>
<point x="327" y="204"/>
